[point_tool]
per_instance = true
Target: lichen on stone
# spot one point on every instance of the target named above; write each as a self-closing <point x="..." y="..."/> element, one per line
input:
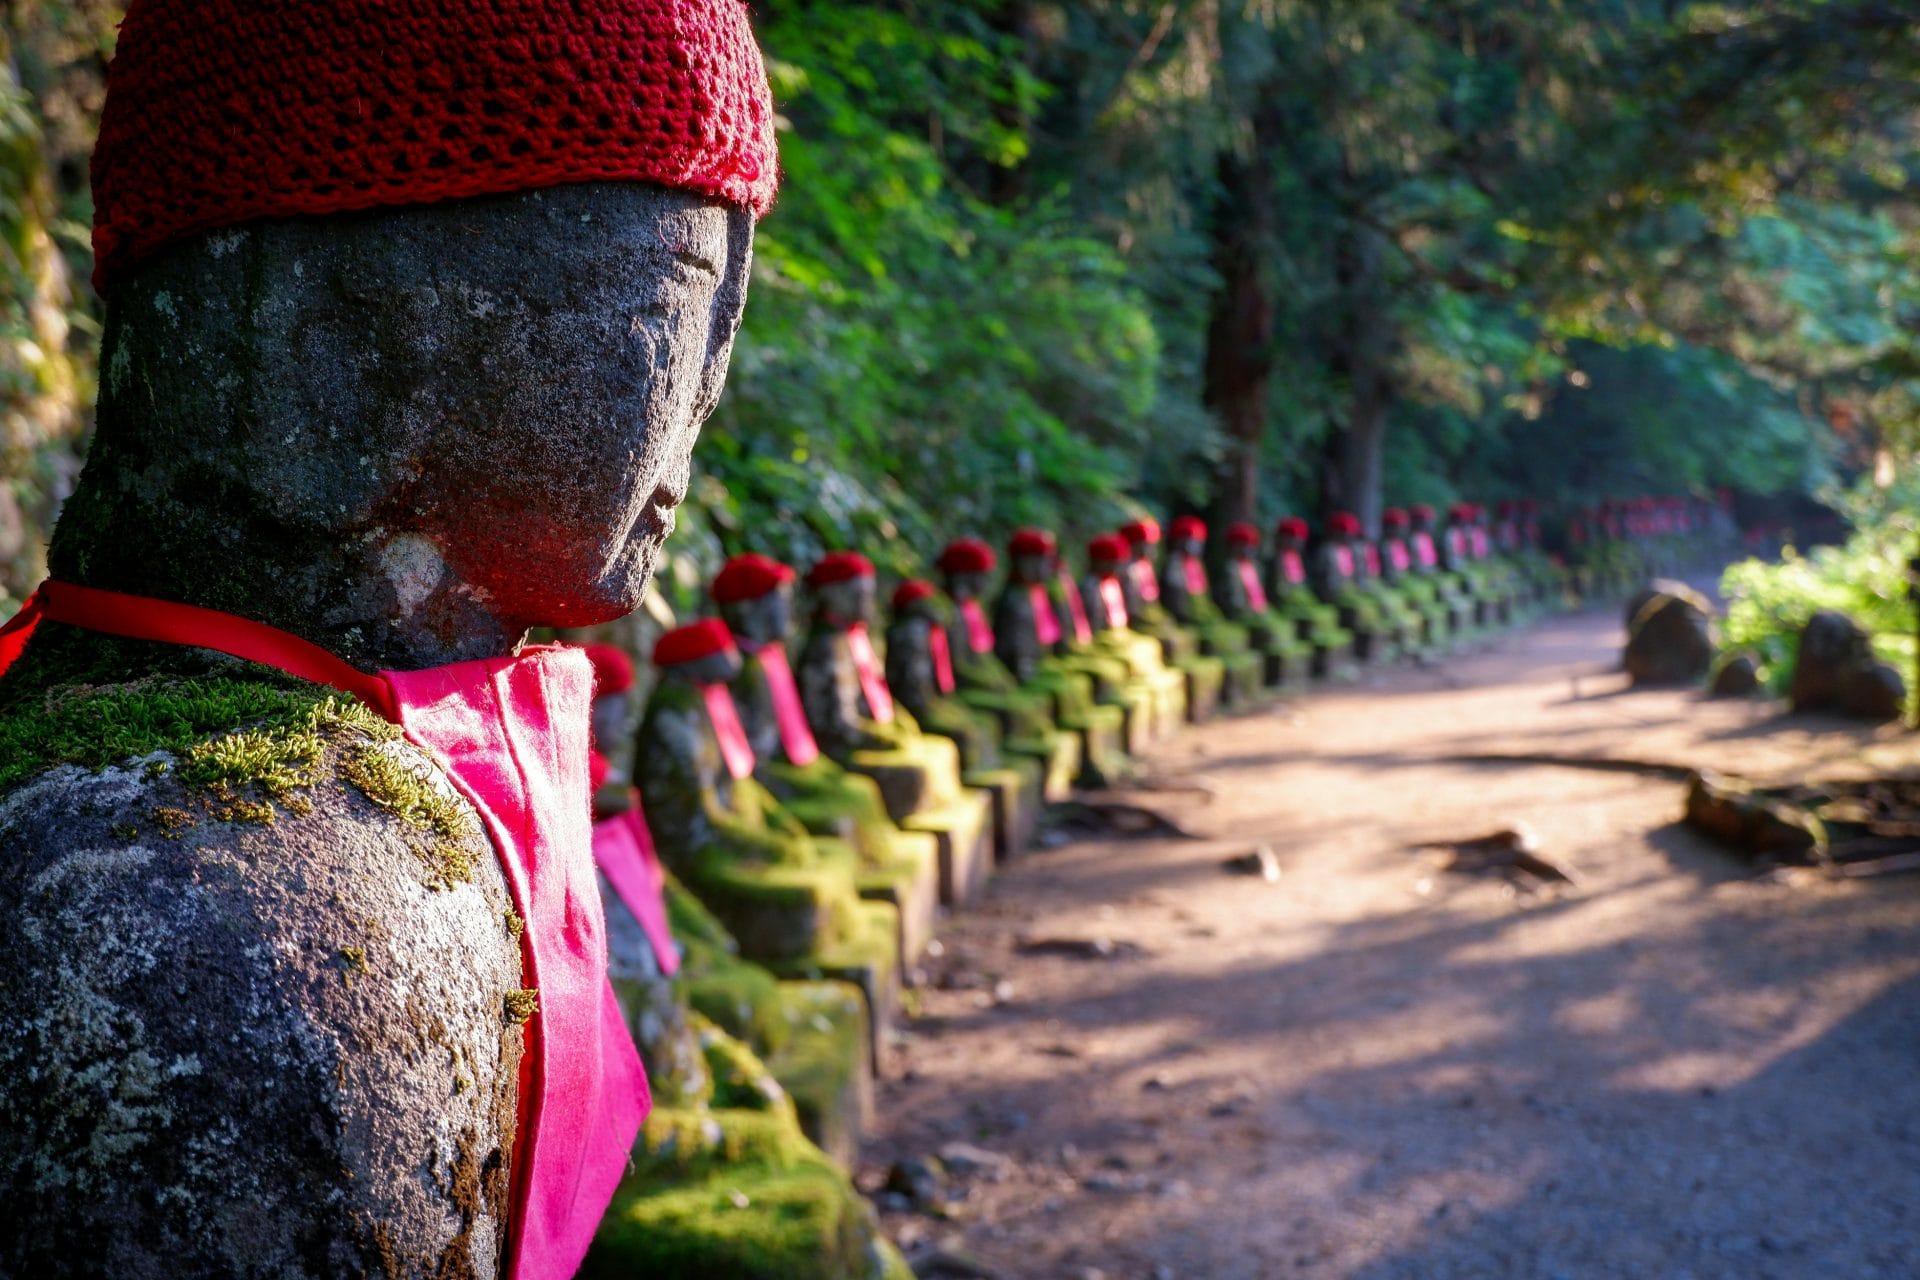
<point x="409" y="790"/>
<point x="520" y="1005"/>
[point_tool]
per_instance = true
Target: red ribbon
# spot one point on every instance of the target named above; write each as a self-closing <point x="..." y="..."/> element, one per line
<point x="942" y="658"/>
<point x="1480" y="548"/>
<point x="979" y="634"/>
<point x="796" y="735"/>
<point x="872" y="682"/>
<point x="1113" y="597"/>
<point x="1343" y="561"/>
<point x="1046" y="623"/>
<point x="1195" y="574"/>
<point x="1397" y="556"/>
<point x="1076" y="610"/>
<point x="139" y="618"/>
<point x="1456" y="542"/>
<point x="1293" y="568"/>
<point x="1423" y="549"/>
<point x="725" y="718"/>
<point x="623" y="847"/>
<point x="1250" y="583"/>
<point x="1373" y="560"/>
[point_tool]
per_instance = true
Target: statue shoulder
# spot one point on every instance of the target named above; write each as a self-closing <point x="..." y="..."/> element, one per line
<point x="261" y="963"/>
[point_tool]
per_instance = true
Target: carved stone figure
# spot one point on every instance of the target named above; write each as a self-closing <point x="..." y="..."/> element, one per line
<point x="283" y="994"/>
<point x="1241" y="595"/>
<point x="1290" y="591"/>
<point x="1186" y="592"/>
<point x="755" y="598"/>
<point x="1104" y="595"/>
<point x="843" y="687"/>
<point x="1337" y="579"/>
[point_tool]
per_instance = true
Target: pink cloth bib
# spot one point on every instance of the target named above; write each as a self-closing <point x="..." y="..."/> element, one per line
<point x="1424" y="550"/>
<point x="1076" y="610"/>
<point x="1293" y="568"/>
<point x="796" y="735"/>
<point x="1397" y="556"/>
<point x="1343" y="561"/>
<point x="1148" y="578"/>
<point x="1113" y="598"/>
<point x="979" y="633"/>
<point x="872" y="683"/>
<point x="623" y="846"/>
<point x="1251" y="584"/>
<point x="1046" y="623"/>
<point x="942" y="658"/>
<point x="1372" y="554"/>
<point x="1194" y="574"/>
<point x="724" y="716"/>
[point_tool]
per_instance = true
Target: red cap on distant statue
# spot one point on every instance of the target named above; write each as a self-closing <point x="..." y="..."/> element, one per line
<point x="1189" y="529"/>
<point x="912" y="592"/>
<point x="1109" y="549"/>
<point x="1031" y="542"/>
<point x="839" y="566"/>
<point x="692" y="642"/>
<point x="612" y="668"/>
<point x="1343" y="524"/>
<point x="1144" y="532"/>
<point x="749" y="577"/>
<point x="967" y="555"/>
<point x="1292" y="527"/>
<point x="1242" y="534"/>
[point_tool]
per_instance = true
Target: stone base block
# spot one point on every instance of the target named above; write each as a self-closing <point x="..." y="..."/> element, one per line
<point x="1015" y="791"/>
<point x="824" y="1063"/>
<point x="1246" y="680"/>
<point x="866" y="957"/>
<point x="911" y="883"/>
<point x="964" y="833"/>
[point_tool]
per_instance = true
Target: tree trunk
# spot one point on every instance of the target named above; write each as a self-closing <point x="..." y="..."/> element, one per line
<point x="1353" y="463"/>
<point x="1239" y="360"/>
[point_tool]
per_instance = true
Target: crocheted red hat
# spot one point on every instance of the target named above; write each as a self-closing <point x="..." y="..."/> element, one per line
<point x="1142" y="533"/>
<point x="1242" y="534"/>
<point x="223" y="111"/>
<point x="1189" y="528"/>
<point x="1109" y="549"/>
<point x="692" y="642"/>
<point x="612" y="668"/>
<point x="1031" y="542"/>
<point x="967" y="555"/>
<point x="839" y="566"/>
<point x="1394" y="518"/>
<point x="1421" y="511"/>
<point x="1292" y="527"/>
<point x="1343" y="524"/>
<point x="912" y="592"/>
<point x="748" y="577"/>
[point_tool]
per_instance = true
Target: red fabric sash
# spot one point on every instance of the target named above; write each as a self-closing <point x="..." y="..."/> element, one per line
<point x="1148" y="579"/>
<point x="1480" y="548"/>
<point x="1343" y="561"/>
<point x="872" y="683"/>
<point x="1397" y="556"/>
<point x="1194" y="573"/>
<point x="1046" y="623"/>
<point x="511" y="735"/>
<point x="1293" y="568"/>
<point x="1250" y="583"/>
<point x="139" y="618"/>
<point x="942" y="658"/>
<point x="725" y="718"/>
<point x="1113" y="597"/>
<point x="1424" y="550"/>
<point x="796" y="735"/>
<point x="1372" y="554"/>
<point x="623" y="846"/>
<point x="1076" y="610"/>
<point x="1456" y="542"/>
<point x="979" y="633"/>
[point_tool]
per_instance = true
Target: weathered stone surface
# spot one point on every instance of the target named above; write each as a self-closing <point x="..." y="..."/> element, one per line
<point x="1836" y="670"/>
<point x="246" y="1049"/>
<point x="1738" y="677"/>
<point x="1670" y="640"/>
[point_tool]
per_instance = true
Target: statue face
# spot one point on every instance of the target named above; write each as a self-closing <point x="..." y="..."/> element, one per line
<point x="497" y="395"/>
<point x="848" y="601"/>
<point x="715" y="668"/>
<point x="966" y="586"/>
<point x="764" y="620"/>
<point x="609" y="717"/>
<point x="1030" y="568"/>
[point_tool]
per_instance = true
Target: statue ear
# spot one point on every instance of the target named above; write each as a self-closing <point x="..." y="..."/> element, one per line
<point x="729" y="302"/>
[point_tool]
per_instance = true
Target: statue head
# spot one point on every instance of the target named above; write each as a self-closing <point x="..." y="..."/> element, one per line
<point x="612" y="689"/>
<point x="1394" y="524"/>
<point x="1188" y="535"/>
<point x="436" y="364"/>
<point x="967" y="566"/>
<point x="700" y="653"/>
<point x="1421" y="516"/>
<point x="1030" y="554"/>
<point x="843" y="586"/>
<point x="755" y="597"/>
<point x="1290" y="534"/>
<point x="1143" y="535"/>
<point x="1243" y="540"/>
<point x="1344" y="526"/>
<point x="916" y="598"/>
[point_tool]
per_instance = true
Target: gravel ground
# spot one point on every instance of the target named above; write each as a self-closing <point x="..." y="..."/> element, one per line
<point x="1374" y="1068"/>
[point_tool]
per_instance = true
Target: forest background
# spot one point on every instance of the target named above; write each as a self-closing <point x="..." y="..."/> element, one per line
<point x="1062" y="263"/>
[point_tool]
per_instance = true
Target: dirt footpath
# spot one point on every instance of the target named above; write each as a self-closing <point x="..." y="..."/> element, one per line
<point x="1371" y="1068"/>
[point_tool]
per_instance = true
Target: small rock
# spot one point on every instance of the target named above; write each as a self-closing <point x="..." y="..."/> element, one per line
<point x="922" y="1182"/>
<point x="965" y="1160"/>
<point x="1002" y="991"/>
<point x="1258" y="861"/>
<point x="1670" y="638"/>
<point x="1083" y="948"/>
<point x="1738" y="677"/>
<point x="1836" y="670"/>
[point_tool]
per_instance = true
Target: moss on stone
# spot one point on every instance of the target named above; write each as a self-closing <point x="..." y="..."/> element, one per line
<point x="408" y="790"/>
<point x="520" y="1005"/>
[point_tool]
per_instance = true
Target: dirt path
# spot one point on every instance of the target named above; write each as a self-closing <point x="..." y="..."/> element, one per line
<point x="1373" y="1069"/>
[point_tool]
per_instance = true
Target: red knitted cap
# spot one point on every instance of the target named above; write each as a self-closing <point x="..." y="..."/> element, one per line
<point x="968" y="555"/>
<point x="1421" y="511"/>
<point x="1109" y="548"/>
<point x="1242" y="534"/>
<point x="1292" y="527"/>
<point x="912" y="592"/>
<point x="1186" y="528"/>
<point x="1343" y="524"/>
<point x="223" y="111"/>
<point x="1394" y="518"/>
<point x="692" y="642"/>
<point x="1142" y="532"/>
<point x="748" y="577"/>
<point x="1031" y="542"/>
<point x="612" y="668"/>
<point x="839" y="566"/>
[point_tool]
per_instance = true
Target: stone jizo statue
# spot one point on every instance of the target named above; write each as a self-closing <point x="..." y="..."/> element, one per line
<point x="307" y="975"/>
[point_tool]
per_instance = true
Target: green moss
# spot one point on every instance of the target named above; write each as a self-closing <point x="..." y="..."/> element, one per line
<point x="407" y="789"/>
<point x="515" y="925"/>
<point x="740" y="1080"/>
<point x="173" y="823"/>
<point x="520" y="1005"/>
<point x="353" y="963"/>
